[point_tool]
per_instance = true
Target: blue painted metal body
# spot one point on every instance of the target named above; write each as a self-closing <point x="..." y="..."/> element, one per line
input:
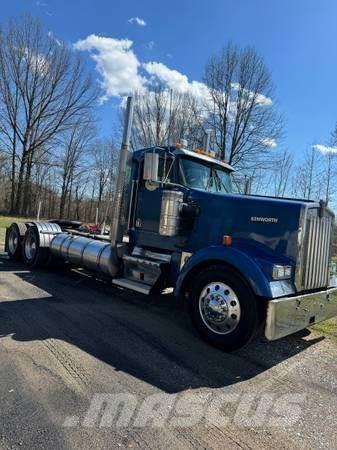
<point x="256" y="246"/>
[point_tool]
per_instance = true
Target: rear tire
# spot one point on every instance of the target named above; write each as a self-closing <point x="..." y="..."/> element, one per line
<point x="223" y="308"/>
<point x="14" y="239"/>
<point x="34" y="255"/>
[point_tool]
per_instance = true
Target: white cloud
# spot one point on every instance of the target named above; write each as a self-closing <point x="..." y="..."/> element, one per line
<point x="119" y="68"/>
<point x="151" y="44"/>
<point x="116" y="62"/>
<point x="324" y="149"/>
<point x="261" y="99"/>
<point x="123" y="73"/>
<point x="176" y="80"/>
<point x="137" y="21"/>
<point x="269" y="142"/>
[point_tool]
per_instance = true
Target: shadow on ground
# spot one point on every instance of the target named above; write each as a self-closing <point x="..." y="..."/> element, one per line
<point x="150" y="338"/>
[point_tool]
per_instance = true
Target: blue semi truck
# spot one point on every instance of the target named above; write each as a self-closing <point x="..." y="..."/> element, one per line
<point x="243" y="263"/>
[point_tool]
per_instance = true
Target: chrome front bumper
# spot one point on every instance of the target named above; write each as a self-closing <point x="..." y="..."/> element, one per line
<point x="290" y="314"/>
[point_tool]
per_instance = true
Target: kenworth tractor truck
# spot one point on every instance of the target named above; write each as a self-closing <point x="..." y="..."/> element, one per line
<point x="243" y="263"/>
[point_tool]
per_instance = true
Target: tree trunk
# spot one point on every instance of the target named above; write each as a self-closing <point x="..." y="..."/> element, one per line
<point x="19" y="193"/>
<point x="12" y="201"/>
<point x="27" y="192"/>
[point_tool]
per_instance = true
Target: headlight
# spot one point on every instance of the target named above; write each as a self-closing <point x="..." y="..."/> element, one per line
<point x="281" y="272"/>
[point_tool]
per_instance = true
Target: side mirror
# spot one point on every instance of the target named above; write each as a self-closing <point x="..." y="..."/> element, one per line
<point x="151" y="165"/>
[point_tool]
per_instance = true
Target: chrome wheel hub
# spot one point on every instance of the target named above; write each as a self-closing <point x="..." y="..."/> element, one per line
<point x="219" y="308"/>
<point x="13" y="242"/>
<point x="30" y="247"/>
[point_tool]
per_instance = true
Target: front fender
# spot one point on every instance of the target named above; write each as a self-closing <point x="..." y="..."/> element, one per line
<point x="236" y="258"/>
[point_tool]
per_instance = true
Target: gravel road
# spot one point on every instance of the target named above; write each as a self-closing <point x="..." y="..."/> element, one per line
<point x="85" y="365"/>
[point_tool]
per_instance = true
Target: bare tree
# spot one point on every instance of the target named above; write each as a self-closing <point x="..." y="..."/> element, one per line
<point x="329" y="173"/>
<point x="75" y="143"/>
<point x="307" y="176"/>
<point x="280" y="175"/>
<point x="241" y="108"/>
<point x="43" y="89"/>
<point x="163" y="117"/>
<point x="330" y="167"/>
<point x="105" y="157"/>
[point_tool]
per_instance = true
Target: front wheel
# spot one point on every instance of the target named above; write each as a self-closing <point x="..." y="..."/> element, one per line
<point x="223" y="308"/>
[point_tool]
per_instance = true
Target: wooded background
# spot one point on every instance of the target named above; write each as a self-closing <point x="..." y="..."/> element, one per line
<point x="52" y="153"/>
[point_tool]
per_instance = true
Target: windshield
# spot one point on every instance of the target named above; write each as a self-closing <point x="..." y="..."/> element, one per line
<point x="205" y="177"/>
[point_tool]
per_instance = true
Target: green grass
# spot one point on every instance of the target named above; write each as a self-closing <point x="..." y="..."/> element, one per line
<point x="328" y="328"/>
<point x="5" y="221"/>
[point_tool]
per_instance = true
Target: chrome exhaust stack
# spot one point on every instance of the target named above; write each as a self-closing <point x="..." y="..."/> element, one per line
<point x="122" y="191"/>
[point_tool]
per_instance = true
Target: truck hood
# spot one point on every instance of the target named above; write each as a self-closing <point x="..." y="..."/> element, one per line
<point x="265" y="224"/>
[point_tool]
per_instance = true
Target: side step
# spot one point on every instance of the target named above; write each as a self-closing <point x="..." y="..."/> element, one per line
<point x="143" y="270"/>
<point x="132" y="285"/>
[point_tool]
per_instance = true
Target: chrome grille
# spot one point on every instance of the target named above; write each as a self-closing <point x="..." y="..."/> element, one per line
<point x="315" y="264"/>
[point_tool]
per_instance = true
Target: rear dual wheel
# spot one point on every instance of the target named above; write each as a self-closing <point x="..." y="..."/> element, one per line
<point x="34" y="255"/>
<point x="14" y="240"/>
<point x="223" y="308"/>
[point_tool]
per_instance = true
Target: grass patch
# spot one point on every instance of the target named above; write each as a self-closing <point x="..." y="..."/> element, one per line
<point x="328" y="328"/>
<point x="5" y="221"/>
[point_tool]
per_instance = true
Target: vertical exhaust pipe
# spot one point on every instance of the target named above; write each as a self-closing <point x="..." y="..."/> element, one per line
<point x="207" y="140"/>
<point x="119" y="210"/>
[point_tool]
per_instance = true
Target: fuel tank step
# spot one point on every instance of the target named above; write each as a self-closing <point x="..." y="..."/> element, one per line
<point x="144" y="261"/>
<point x="132" y="285"/>
<point x="145" y="270"/>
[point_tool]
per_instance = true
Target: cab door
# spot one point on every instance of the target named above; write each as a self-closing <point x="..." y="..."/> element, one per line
<point x="149" y="201"/>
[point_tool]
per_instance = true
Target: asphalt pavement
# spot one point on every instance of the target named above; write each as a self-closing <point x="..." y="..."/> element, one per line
<point x="84" y="365"/>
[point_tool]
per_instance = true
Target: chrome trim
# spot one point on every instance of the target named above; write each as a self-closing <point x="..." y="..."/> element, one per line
<point x="314" y="247"/>
<point x="132" y="285"/>
<point x="122" y="196"/>
<point x="146" y="253"/>
<point x="276" y="275"/>
<point x="291" y="314"/>
<point x="185" y="256"/>
<point x="300" y="248"/>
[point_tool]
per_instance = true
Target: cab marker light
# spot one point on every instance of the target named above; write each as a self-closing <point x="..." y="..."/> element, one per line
<point x="227" y="240"/>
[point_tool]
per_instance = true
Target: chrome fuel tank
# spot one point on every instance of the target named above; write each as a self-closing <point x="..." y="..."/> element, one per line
<point x="84" y="252"/>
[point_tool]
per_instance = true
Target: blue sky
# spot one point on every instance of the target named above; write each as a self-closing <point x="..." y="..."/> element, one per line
<point x="296" y="37"/>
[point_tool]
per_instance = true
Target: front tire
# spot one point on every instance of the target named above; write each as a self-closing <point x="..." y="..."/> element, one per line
<point x="223" y="308"/>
